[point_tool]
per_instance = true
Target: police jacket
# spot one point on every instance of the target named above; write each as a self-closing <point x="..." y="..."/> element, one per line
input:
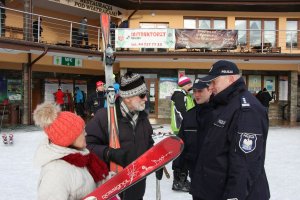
<point x="135" y="141"/>
<point x="96" y="101"/>
<point x="230" y="164"/>
<point x="192" y="132"/>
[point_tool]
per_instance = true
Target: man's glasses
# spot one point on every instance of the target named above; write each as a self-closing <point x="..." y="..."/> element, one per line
<point x="142" y="96"/>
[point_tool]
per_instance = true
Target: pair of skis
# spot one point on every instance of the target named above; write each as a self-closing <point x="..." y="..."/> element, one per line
<point x="7" y="139"/>
<point x="152" y="160"/>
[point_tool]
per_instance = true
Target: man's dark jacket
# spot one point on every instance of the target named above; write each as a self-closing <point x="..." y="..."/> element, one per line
<point x="135" y="141"/>
<point x="230" y="164"/>
<point x="192" y="132"/>
<point x="96" y="101"/>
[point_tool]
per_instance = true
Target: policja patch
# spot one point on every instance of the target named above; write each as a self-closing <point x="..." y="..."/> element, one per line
<point x="247" y="142"/>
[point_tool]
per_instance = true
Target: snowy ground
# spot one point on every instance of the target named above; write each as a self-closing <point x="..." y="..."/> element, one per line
<point x="18" y="176"/>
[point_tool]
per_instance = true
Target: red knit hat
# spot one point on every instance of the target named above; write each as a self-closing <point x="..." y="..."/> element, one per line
<point x="99" y="83"/>
<point x="62" y="128"/>
<point x="184" y="81"/>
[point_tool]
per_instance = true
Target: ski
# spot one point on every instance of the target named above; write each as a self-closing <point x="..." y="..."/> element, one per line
<point x="111" y="111"/>
<point x="4" y="138"/>
<point x="113" y="126"/>
<point x="11" y="138"/>
<point x="152" y="160"/>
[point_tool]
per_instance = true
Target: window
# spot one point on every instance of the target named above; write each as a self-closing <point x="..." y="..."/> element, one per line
<point x="189" y="23"/>
<point x="291" y="33"/>
<point x="241" y="26"/>
<point x="270" y="32"/>
<point x="254" y="32"/>
<point x="204" y="23"/>
<point x="219" y="24"/>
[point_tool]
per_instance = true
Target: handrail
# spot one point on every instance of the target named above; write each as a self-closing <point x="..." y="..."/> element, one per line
<point x="63" y="32"/>
<point x="6" y="8"/>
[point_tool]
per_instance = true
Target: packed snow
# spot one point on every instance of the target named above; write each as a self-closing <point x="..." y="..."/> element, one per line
<point x="19" y="176"/>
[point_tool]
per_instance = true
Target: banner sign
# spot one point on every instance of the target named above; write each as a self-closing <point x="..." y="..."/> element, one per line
<point x="207" y="39"/>
<point x="94" y="6"/>
<point x="67" y="61"/>
<point x="145" y="38"/>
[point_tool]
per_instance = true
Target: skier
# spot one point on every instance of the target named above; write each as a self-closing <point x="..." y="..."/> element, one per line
<point x="59" y="98"/>
<point x="69" y="170"/>
<point x="230" y="164"/>
<point x="135" y="130"/>
<point x="79" y="102"/>
<point x="181" y="102"/>
<point x="97" y="99"/>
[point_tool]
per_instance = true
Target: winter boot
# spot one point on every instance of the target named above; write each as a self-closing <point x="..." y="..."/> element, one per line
<point x="180" y="182"/>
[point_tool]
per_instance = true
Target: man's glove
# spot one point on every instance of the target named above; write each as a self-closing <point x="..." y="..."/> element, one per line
<point x="159" y="174"/>
<point x="118" y="156"/>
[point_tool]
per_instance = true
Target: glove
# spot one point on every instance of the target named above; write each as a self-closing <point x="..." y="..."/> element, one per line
<point x="159" y="174"/>
<point x="118" y="156"/>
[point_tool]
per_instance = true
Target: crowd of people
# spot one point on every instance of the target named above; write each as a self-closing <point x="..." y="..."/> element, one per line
<point x="223" y="126"/>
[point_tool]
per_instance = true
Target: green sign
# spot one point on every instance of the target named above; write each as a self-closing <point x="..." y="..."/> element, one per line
<point x="67" y="61"/>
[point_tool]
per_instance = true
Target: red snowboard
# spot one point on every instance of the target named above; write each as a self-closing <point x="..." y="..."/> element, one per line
<point x="155" y="158"/>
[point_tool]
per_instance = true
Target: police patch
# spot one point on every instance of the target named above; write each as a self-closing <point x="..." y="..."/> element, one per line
<point x="247" y="142"/>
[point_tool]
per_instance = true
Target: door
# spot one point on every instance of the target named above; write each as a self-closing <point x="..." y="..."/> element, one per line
<point x="152" y="85"/>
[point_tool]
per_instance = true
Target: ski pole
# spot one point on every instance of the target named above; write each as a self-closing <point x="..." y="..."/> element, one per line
<point x="158" y="193"/>
<point x="166" y="172"/>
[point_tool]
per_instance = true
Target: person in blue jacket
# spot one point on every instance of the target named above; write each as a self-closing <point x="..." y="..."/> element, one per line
<point x="230" y="163"/>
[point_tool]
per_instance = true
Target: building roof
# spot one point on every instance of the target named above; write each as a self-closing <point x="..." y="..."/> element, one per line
<point x="209" y="5"/>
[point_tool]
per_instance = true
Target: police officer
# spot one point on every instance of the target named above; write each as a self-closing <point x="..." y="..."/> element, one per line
<point x="97" y="99"/>
<point x="230" y="164"/>
<point x="193" y="126"/>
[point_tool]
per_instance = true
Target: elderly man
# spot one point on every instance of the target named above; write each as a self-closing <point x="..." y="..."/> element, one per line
<point x="230" y="164"/>
<point x="135" y="130"/>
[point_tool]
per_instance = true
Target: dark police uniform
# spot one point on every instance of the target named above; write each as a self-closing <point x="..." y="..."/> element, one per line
<point x="230" y="164"/>
<point x="192" y="132"/>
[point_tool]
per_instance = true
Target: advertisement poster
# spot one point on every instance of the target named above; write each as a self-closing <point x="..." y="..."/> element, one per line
<point x="51" y="86"/>
<point x="3" y="88"/>
<point x="269" y="83"/>
<point x="254" y="84"/>
<point x="14" y="89"/>
<point x="166" y="87"/>
<point x="208" y="39"/>
<point x="66" y="86"/>
<point x="283" y="88"/>
<point x="145" y="38"/>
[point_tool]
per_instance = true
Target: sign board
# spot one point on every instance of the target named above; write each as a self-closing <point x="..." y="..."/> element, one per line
<point x="208" y="39"/>
<point x="145" y="38"/>
<point x="94" y="6"/>
<point x="67" y="61"/>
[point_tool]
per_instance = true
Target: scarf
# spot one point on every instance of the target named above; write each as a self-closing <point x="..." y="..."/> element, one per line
<point x="131" y="116"/>
<point x="97" y="168"/>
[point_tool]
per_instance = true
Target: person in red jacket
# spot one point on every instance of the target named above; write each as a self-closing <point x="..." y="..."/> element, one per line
<point x="59" y="98"/>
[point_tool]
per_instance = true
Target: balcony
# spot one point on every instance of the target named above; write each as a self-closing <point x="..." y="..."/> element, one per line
<point x="52" y="31"/>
